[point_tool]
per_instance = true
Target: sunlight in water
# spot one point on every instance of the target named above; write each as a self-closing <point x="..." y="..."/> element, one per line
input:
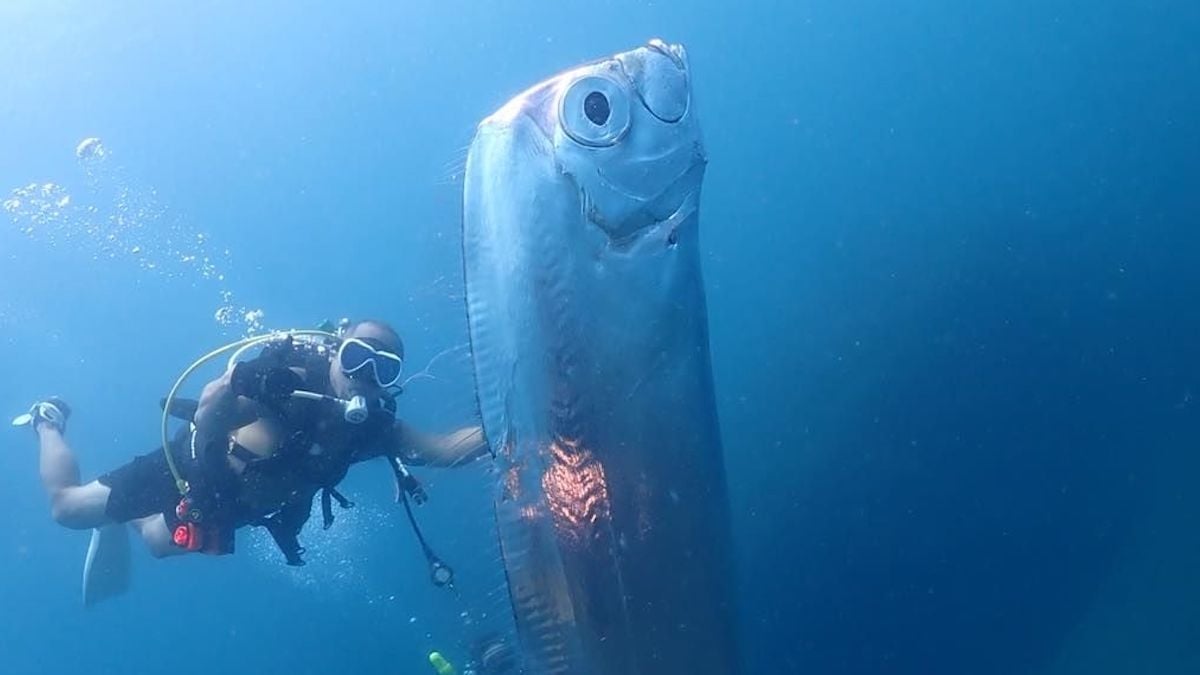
<point x="576" y="490"/>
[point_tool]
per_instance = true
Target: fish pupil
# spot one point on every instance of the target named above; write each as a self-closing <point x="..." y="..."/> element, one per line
<point x="596" y="108"/>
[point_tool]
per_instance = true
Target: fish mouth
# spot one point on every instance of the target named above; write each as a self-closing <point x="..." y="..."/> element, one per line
<point x="659" y="73"/>
<point x="676" y="53"/>
<point x="657" y="218"/>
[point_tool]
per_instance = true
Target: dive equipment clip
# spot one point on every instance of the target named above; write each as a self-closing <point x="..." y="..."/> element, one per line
<point x="441" y="574"/>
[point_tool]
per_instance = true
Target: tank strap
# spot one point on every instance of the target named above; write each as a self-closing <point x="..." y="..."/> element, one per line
<point x="328" y="496"/>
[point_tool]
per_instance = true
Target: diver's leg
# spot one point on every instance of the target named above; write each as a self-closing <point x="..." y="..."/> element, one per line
<point x="72" y="505"/>
<point x="157" y="536"/>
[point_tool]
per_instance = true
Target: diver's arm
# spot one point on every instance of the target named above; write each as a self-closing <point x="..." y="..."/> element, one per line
<point x="442" y="450"/>
<point x="239" y="396"/>
<point x="220" y="410"/>
<point x="218" y="413"/>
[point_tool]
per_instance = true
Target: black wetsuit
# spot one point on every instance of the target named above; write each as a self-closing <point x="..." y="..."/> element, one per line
<point x="318" y="450"/>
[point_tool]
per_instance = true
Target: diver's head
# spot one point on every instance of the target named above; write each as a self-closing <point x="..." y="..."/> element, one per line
<point x="368" y="360"/>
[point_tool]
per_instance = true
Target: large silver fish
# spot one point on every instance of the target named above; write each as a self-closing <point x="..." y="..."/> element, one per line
<point x="589" y="339"/>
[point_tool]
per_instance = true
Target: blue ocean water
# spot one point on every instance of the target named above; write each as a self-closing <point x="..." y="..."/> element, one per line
<point x="952" y="277"/>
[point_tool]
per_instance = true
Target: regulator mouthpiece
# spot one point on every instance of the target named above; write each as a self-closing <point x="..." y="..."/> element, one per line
<point x="356" y="411"/>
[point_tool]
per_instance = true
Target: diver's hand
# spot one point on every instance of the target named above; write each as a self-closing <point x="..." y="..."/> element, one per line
<point x="266" y="384"/>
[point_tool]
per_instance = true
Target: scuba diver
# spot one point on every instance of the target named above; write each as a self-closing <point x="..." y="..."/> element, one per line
<point x="262" y="441"/>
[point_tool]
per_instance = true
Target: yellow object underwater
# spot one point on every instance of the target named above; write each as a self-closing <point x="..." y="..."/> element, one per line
<point x="440" y="664"/>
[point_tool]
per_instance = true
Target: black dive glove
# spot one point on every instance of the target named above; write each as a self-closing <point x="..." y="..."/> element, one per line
<point x="266" y="384"/>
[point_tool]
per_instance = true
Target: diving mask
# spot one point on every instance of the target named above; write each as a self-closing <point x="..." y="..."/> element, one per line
<point x="359" y="357"/>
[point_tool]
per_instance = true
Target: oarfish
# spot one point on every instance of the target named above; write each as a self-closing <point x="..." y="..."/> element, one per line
<point x="589" y="340"/>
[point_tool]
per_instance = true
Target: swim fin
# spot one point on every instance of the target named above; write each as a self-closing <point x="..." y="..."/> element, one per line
<point x="106" y="569"/>
<point x="181" y="408"/>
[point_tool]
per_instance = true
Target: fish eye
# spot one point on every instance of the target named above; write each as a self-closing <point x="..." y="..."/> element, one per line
<point x="596" y="108"/>
<point x="594" y="111"/>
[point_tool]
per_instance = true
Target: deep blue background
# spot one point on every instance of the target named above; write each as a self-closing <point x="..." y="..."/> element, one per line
<point x="953" y="281"/>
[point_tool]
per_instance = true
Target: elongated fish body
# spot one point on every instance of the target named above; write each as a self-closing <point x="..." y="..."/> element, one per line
<point x="590" y="346"/>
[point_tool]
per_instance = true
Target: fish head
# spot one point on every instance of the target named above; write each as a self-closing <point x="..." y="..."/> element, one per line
<point x="624" y="131"/>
